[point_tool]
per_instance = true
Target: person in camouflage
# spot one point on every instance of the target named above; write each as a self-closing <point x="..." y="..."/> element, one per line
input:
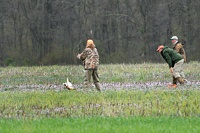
<point x="175" y="62"/>
<point x="90" y="58"/>
<point x="178" y="47"/>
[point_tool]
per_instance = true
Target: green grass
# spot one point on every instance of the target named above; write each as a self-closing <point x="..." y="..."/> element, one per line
<point x="51" y="104"/>
<point x="122" y="73"/>
<point x="33" y="100"/>
<point x="102" y="125"/>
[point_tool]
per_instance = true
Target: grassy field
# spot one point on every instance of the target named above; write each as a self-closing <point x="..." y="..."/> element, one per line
<point x="102" y="125"/>
<point x="134" y="98"/>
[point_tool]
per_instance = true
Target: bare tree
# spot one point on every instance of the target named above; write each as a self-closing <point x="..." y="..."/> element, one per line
<point x="46" y="32"/>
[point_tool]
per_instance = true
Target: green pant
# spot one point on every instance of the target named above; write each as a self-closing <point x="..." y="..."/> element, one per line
<point x="87" y="78"/>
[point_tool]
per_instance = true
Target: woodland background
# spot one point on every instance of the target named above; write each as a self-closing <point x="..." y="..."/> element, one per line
<point x="52" y="32"/>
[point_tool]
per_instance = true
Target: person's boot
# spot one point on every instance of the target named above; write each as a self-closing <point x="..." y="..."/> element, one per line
<point x="174" y="80"/>
<point x="174" y="83"/>
<point x="172" y="86"/>
<point x="180" y="80"/>
<point x="97" y="85"/>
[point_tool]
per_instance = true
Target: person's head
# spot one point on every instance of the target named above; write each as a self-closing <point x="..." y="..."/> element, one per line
<point x="90" y="44"/>
<point x="160" y="48"/>
<point x="174" y="39"/>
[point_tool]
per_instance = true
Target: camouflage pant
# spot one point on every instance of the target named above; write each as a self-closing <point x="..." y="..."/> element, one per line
<point x="95" y="77"/>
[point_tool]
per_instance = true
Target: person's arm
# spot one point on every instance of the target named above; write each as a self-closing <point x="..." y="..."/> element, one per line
<point x="178" y="47"/>
<point x="183" y="54"/>
<point x="82" y="55"/>
<point x="167" y="58"/>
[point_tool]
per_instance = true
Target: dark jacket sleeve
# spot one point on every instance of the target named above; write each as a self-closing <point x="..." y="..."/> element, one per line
<point x="167" y="58"/>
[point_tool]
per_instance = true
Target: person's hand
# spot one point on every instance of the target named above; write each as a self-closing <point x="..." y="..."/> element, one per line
<point x="171" y="69"/>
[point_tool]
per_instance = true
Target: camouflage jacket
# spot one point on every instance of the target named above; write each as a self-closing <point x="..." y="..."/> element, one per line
<point x="178" y="47"/>
<point x="90" y="58"/>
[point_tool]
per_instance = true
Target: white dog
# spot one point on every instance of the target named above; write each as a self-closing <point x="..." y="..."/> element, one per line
<point x="69" y="85"/>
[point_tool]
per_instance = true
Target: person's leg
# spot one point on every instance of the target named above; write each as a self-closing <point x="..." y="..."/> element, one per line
<point x="174" y="83"/>
<point x="178" y="68"/>
<point x="96" y="80"/>
<point x="87" y="77"/>
<point x="182" y="74"/>
<point x="180" y="80"/>
<point x="174" y="80"/>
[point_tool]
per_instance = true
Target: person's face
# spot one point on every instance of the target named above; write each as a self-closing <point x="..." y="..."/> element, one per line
<point x="173" y="41"/>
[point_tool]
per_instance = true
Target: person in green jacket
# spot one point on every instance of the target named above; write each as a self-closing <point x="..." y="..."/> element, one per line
<point x="175" y="62"/>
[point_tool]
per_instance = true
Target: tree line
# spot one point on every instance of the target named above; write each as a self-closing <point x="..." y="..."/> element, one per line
<point x="50" y="32"/>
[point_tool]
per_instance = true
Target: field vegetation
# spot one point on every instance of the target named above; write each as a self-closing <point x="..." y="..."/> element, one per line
<point x="134" y="98"/>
